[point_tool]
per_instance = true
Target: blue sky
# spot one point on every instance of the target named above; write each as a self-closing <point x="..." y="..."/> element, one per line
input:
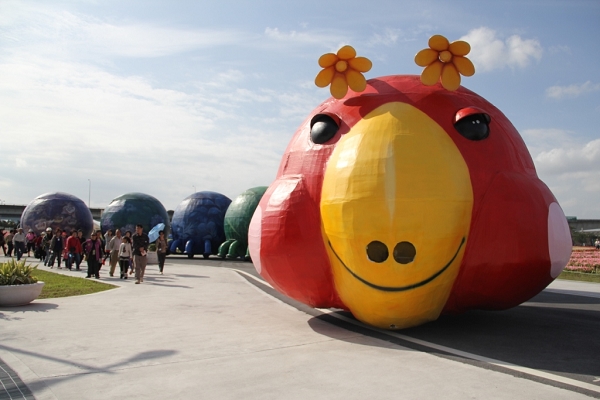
<point x="170" y="97"/>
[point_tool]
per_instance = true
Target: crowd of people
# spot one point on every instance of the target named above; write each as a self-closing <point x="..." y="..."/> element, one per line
<point x="127" y="250"/>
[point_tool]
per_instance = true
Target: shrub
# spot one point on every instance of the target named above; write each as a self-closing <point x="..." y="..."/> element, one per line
<point x="16" y="273"/>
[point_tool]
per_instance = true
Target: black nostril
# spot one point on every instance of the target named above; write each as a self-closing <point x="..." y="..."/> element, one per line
<point x="404" y="252"/>
<point x="377" y="251"/>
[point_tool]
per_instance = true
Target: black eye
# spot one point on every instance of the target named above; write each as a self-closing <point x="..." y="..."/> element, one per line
<point x="404" y="252"/>
<point x="474" y="126"/>
<point x="322" y="128"/>
<point x="377" y="251"/>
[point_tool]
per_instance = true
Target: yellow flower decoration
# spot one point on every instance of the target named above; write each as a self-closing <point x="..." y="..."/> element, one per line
<point x="446" y="60"/>
<point x="342" y="70"/>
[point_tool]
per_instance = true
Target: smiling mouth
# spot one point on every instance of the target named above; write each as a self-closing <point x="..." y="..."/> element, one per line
<point x="401" y="288"/>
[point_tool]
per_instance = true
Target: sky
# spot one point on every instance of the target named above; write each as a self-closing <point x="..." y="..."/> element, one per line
<point x="102" y="98"/>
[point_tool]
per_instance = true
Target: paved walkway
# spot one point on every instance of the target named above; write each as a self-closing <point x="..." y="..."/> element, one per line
<point x="203" y="330"/>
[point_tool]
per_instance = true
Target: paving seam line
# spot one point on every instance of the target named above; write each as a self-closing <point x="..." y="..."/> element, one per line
<point x="498" y="363"/>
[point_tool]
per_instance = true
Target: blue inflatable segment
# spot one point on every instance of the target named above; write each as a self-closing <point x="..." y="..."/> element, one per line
<point x="198" y="224"/>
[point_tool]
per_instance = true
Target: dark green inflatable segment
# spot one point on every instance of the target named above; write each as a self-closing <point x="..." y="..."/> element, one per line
<point x="237" y="221"/>
<point x="128" y="210"/>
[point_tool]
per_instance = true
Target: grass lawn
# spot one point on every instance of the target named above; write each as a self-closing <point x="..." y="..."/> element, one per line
<point x="57" y="285"/>
<point x="579" y="276"/>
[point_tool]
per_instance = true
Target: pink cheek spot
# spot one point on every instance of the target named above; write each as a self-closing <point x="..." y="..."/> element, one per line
<point x="254" y="238"/>
<point x="559" y="240"/>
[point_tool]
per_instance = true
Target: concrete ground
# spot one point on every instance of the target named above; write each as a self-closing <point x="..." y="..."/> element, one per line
<point x="205" y="330"/>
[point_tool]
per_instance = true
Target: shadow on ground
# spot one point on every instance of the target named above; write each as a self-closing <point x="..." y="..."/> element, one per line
<point x="552" y="332"/>
<point x="35" y="306"/>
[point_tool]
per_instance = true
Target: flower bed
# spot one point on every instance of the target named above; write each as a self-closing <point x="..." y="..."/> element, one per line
<point x="586" y="260"/>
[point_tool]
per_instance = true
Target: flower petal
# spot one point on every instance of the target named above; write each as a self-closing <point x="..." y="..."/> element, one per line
<point x="438" y="43"/>
<point x="325" y="76"/>
<point x="464" y="65"/>
<point x="356" y="80"/>
<point x="346" y="53"/>
<point x="459" y="48"/>
<point x="426" y="57"/>
<point x="339" y="87"/>
<point x="361" y="64"/>
<point x="327" y="60"/>
<point x="450" y="77"/>
<point x="431" y="73"/>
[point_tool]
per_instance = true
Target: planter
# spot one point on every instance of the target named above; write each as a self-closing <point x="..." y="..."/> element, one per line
<point x="19" y="295"/>
<point x="151" y="258"/>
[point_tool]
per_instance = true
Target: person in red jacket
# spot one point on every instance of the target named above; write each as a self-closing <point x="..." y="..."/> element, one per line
<point x="74" y="251"/>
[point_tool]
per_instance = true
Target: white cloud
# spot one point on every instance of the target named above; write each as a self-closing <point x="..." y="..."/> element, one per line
<point x="387" y="38"/>
<point x="68" y="116"/>
<point x="559" y="49"/>
<point x="559" y="92"/>
<point x="303" y="38"/>
<point x="570" y="168"/>
<point x="541" y="140"/>
<point x="63" y="33"/>
<point x="571" y="159"/>
<point x="68" y="122"/>
<point x="488" y="52"/>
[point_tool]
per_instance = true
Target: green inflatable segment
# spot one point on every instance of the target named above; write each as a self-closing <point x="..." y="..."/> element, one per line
<point x="237" y="221"/>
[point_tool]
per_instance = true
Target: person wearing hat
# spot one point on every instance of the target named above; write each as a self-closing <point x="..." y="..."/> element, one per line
<point x="19" y="243"/>
<point x="30" y="241"/>
<point x="46" y="239"/>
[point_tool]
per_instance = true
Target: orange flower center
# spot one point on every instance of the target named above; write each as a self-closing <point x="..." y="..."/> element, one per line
<point x="341" y="66"/>
<point x="445" y="56"/>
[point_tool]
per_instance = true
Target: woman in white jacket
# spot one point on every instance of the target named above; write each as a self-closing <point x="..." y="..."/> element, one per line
<point x="124" y="256"/>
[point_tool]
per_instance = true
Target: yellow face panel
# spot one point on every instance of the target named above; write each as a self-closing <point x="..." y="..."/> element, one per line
<point x="397" y="183"/>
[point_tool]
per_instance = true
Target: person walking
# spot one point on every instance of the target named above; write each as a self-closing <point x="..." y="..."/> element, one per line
<point x="74" y="251"/>
<point x="30" y="241"/>
<point x="124" y="256"/>
<point x="46" y="239"/>
<point x="39" y="250"/>
<point x="140" y="248"/>
<point x="94" y="250"/>
<point x="3" y="242"/>
<point x="82" y="241"/>
<point x="129" y="235"/>
<point x="8" y="238"/>
<point x="112" y="250"/>
<point x="19" y="243"/>
<point x="597" y="244"/>
<point x="107" y="238"/>
<point x="161" y="250"/>
<point x="57" y="245"/>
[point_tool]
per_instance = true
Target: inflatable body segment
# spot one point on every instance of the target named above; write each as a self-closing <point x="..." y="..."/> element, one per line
<point x="197" y="224"/>
<point x="406" y="201"/>
<point x="237" y="222"/>
<point x="128" y="210"/>
<point x="57" y="210"/>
